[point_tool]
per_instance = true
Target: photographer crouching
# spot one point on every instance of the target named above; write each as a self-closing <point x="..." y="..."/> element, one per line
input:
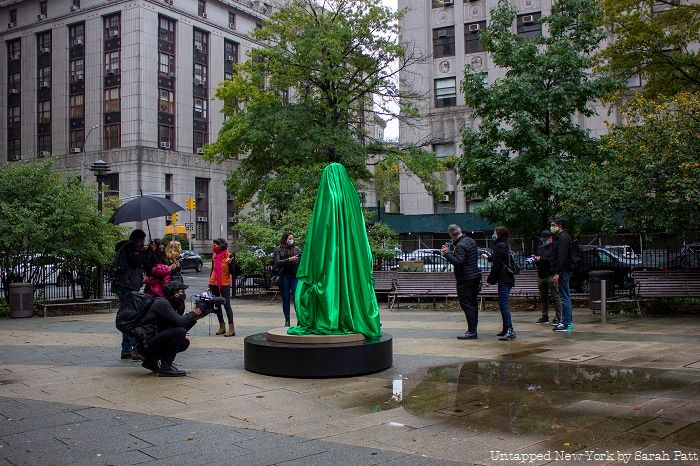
<point x="162" y="331"/>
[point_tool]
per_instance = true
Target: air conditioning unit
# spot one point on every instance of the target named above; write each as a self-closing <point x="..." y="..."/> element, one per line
<point x="442" y="33"/>
<point x="11" y="25"/>
<point x="45" y="153"/>
<point x="448" y="2"/>
<point x="114" y="33"/>
<point x="200" y="151"/>
<point x="204" y="15"/>
<point x="231" y="219"/>
<point x="202" y="219"/>
<point x="78" y="41"/>
<point x="169" y="2"/>
<point x="45" y="49"/>
<point x="199" y="195"/>
<point x="111" y="71"/>
<point x="232" y="26"/>
<point x="14" y="90"/>
<point x="198" y="82"/>
<point x="44" y="84"/>
<point x="528" y="19"/>
<point x="230" y="58"/>
<point x="198" y="47"/>
<point x="40" y="17"/>
<point x="165" y="145"/>
<point x="15" y="55"/>
<point x="446" y="198"/>
<point x="474" y="27"/>
<point x="74" y="8"/>
<point x="172" y="74"/>
<point x="78" y="78"/>
<point x="76" y="150"/>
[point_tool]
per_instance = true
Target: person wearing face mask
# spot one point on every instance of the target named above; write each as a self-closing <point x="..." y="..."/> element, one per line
<point x="162" y="331"/>
<point x="286" y="257"/>
<point x="503" y="277"/>
<point x="220" y="284"/>
<point x="547" y="288"/>
<point x="562" y="268"/>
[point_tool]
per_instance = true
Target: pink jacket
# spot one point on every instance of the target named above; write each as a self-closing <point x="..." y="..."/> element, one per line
<point x="159" y="277"/>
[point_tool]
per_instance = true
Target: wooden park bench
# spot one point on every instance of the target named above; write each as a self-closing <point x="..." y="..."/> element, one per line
<point x="658" y="284"/>
<point x="422" y="285"/>
<point x="526" y="286"/>
<point x="384" y="281"/>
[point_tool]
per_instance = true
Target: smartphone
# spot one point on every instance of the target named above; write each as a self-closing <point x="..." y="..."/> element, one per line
<point x="450" y="246"/>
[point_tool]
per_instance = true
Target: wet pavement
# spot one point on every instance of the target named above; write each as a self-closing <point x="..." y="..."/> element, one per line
<point x="623" y="392"/>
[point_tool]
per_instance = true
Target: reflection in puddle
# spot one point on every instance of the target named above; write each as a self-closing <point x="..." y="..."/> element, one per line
<point x="583" y="403"/>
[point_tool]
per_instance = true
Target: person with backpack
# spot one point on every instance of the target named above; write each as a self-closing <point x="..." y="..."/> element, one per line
<point x="562" y="266"/>
<point x="503" y="273"/>
<point x="127" y="276"/>
<point x="161" y="332"/>
<point x="547" y="288"/>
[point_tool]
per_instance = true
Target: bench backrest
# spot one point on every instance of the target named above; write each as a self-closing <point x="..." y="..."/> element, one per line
<point x="383" y="280"/>
<point x="671" y="284"/>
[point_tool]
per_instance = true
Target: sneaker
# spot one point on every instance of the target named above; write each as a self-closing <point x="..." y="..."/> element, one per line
<point x="509" y="335"/>
<point x="555" y="322"/>
<point x="542" y="320"/>
<point x="564" y="328"/>
<point x="468" y="336"/>
<point x="503" y="332"/>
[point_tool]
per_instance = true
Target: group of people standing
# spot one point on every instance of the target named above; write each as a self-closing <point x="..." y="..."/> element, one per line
<point x="553" y="267"/>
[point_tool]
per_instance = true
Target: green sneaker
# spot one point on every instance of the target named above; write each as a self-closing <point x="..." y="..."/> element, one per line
<point x="564" y="328"/>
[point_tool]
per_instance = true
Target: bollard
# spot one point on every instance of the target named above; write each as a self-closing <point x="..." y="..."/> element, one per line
<point x="603" y="300"/>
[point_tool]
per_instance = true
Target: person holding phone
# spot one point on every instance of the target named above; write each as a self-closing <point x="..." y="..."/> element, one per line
<point x="287" y="256"/>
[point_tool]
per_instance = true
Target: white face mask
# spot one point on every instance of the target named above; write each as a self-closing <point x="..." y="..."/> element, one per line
<point x="290" y="242"/>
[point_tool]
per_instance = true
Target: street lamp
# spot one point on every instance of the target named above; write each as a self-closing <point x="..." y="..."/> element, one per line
<point x="100" y="168"/>
<point x="82" y="152"/>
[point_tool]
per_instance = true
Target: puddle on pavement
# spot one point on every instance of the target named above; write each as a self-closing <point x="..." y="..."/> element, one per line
<point x="582" y="403"/>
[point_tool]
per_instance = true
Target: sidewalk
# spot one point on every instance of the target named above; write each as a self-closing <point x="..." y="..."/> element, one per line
<point x="629" y="387"/>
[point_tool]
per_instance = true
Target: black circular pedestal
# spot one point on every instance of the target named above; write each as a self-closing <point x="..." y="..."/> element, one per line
<point x="317" y="360"/>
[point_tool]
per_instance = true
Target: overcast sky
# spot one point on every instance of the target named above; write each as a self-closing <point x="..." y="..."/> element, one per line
<point x="392" y="128"/>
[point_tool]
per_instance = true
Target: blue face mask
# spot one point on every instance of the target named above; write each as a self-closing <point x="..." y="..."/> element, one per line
<point x="494" y="236"/>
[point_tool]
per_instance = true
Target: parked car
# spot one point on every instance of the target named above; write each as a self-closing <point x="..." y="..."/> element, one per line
<point x="625" y="254"/>
<point x="598" y="258"/>
<point x="688" y="260"/>
<point x="191" y="260"/>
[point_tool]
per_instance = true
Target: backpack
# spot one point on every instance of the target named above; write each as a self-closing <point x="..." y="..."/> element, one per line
<point x="512" y="268"/>
<point x="116" y="269"/>
<point x="575" y="253"/>
<point x="131" y="311"/>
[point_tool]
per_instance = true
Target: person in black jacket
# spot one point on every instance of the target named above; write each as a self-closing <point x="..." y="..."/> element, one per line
<point x="547" y="288"/>
<point x="562" y="272"/>
<point x="501" y="274"/>
<point x="131" y="255"/>
<point x="463" y="256"/>
<point x="287" y="256"/>
<point x="162" y="331"/>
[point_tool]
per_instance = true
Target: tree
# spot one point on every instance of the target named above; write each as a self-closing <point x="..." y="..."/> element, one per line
<point x="519" y="158"/>
<point x="649" y="170"/>
<point x="302" y="98"/>
<point x="47" y="218"/>
<point x="655" y="40"/>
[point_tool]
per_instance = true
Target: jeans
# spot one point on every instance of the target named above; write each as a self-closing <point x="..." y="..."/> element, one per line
<point x="565" y="296"/>
<point x="226" y="294"/>
<point x="549" y="290"/>
<point x="503" y="293"/>
<point x="165" y="345"/>
<point x="288" y="288"/>
<point x="467" y="291"/>
<point x="128" y="343"/>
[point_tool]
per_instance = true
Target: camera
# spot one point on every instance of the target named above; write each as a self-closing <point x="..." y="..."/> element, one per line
<point x="208" y="302"/>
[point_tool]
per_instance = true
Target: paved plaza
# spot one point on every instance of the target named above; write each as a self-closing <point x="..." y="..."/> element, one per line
<point x="627" y="391"/>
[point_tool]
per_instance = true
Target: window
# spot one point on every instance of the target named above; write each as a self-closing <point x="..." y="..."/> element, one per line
<point x="529" y="25"/>
<point x="444" y="42"/>
<point x="44" y="8"/>
<point x="166" y="29"/>
<point x="166" y="64"/>
<point x="111" y="184"/>
<point x="76" y="70"/>
<point x="442" y="3"/>
<point x="13" y="16"/>
<point x="76" y="34"/>
<point x="44" y="112"/>
<point x="75" y="139"/>
<point x="43" y="145"/>
<point x="444" y="150"/>
<point x="44" y="75"/>
<point x="200" y="108"/>
<point x="231" y="20"/>
<point x="200" y="74"/>
<point x="166" y="136"/>
<point x="634" y="81"/>
<point x="472" y="37"/>
<point x="201" y="8"/>
<point x="112" y="100"/>
<point x="44" y="42"/>
<point x="76" y="3"/>
<point x="112" y="62"/>
<point x="14" y="149"/>
<point x="166" y="101"/>
<point x="230" y="51"/>
<point x="201" y="188"/>
<point x="14" y="81"/>
<point x="445" y="92"/>
<point x="13" y="49"/>
<point x="76" y="105"/>
<point x="14" y="117"/>
<point x="168" y="189"/>
<point x="200" y="41"/>
<point x="112" y="26"/>
<point x="112" y="136"/>
<point x="200" y="139"/>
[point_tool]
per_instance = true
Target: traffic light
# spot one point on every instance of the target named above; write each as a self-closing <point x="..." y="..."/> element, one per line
<point x="190" y="203"/>
<point x="174" y="218"/>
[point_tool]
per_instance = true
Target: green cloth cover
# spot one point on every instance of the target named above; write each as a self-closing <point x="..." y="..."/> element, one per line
<point x="335" y="292"/>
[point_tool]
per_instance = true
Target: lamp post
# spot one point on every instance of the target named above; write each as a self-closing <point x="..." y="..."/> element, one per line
<point x="100" y="168"/>
<point x="82" y="152"/>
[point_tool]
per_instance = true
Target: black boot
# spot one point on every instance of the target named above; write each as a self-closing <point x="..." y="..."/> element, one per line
<point x="170" y="370"/>
<point x="509" y="335"/>
<point x="503" y="332"/>
<point x="286" y="323"/>
<point x="543" y="320"/>
<point x="151" y="364"/>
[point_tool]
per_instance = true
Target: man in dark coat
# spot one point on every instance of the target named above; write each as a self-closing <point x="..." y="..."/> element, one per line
<point x="463" y="256"/>
<point x="162" y="331"/>
<point x="131" y="255"/>
<point x="562" y="268"/>
<point x="547" y="288"/>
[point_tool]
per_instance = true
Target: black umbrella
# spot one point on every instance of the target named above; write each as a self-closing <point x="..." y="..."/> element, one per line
<point x="143" y="208"/>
